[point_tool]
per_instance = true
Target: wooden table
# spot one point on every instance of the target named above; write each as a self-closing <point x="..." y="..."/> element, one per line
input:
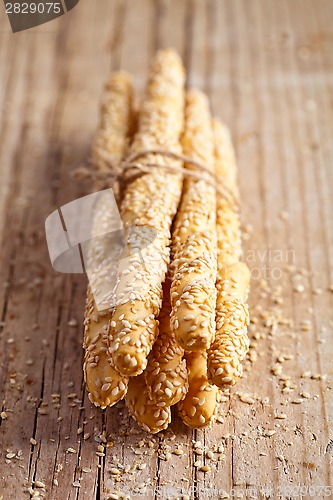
<point x="268" y="69"/>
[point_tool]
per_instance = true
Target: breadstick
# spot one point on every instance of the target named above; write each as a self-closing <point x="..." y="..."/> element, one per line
<point x="117" y="121"/>
<point x="150" y="416"/>
<point x="104" y="384"/>
<point x="231" y="341"/>
<point x="232" y="317"/>
<point x="193" y="292"/>
<point x="199" y="407"/>
<point x="227" y="219"/>
<point x="149" y="201"/>
<point x="166" y="373"/>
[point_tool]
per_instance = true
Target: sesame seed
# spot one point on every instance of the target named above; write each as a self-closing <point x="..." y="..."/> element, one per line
<point x="178" y="451"/>
<point x="115" y="471"/>
<point x="205" y="468"/>
<point x="245" y="398"/>
<point x="168" y="392"/>
<point x="106" y="387"/>
<point x="39" y="484"/>
<point x="192" y="411"/>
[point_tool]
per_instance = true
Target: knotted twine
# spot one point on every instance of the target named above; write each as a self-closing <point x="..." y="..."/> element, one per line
<point x="119" y="173"/>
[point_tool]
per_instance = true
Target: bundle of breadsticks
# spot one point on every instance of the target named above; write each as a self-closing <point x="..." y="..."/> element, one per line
<point x="176" y="332"/>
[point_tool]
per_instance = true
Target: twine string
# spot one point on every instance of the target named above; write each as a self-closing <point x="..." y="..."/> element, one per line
<point x="119" y="172"/>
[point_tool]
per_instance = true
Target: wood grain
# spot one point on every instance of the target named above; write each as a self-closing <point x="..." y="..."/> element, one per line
<point x="268" y="69"/>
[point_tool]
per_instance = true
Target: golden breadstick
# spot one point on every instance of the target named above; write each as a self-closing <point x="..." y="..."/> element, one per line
<point x="231" y="341"/>
<point x="199" y="407"/>
<point x="193" y="292"/>
<point x="149" y="201"/>
<point x="149" y="415"/>
<point x="166" y="373"/>
<point x="104" y="384"/>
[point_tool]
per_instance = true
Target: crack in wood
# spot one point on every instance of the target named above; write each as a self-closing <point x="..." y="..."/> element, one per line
<point x="329" y="448"/>
<point x="35" y="430"/>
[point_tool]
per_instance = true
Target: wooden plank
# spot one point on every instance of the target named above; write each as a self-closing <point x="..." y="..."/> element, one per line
<point x="315" y="217"/>
<point x="262" y="96"/>
<point x="25" y="283"/>
<point x="138" y="42"/>
<point x="12" y="92"/>
<point x="171" y="25"/>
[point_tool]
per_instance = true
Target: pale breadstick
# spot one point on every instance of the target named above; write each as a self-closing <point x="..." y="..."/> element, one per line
<point x="231" y="341"/>
<point x="229" y="244"/>
<point x="104" y="384"/>
<point x="193" y="292"/>
<point x="149" y="415"/>
<point x="149" y="201"/>
<point x="199" y="407"/>
<point x="232" y="317"/>
<point x="166" y="373"/>
<point x="117" y="120"/>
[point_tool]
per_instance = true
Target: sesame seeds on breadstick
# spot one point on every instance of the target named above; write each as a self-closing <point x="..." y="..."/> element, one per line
<point x="166" y="372"/>
<point x="104" y="384"/>
<point x="149" y="201"/>
<point x="193" y="293"/>
<point x="116" y="121"/>
<point x="161" y="342"/>
<point x="232" y="317"/>
<point x="229" y="243"/>
<point x="199" y="407"/>
<point x="151" y="416"/>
